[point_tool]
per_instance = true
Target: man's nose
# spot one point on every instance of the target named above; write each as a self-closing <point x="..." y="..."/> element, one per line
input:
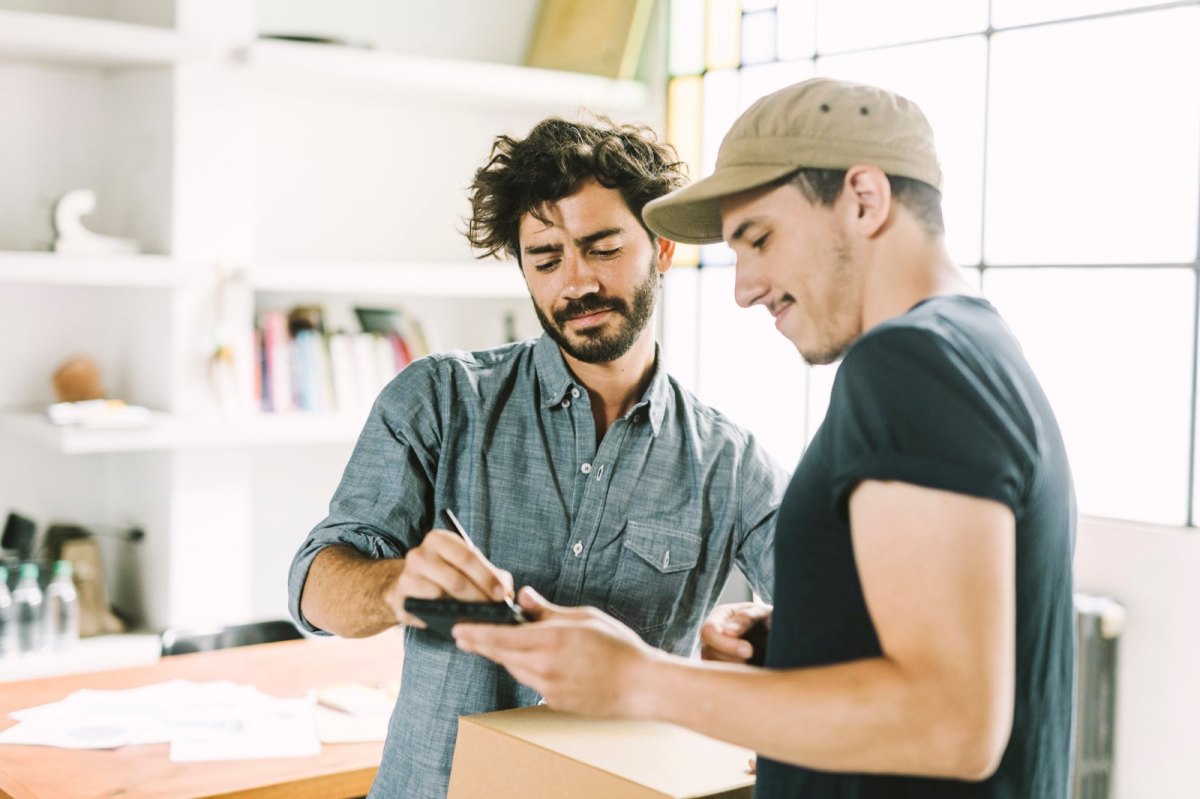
<point x="580" y="276"/>
<point x="749" y="286"/>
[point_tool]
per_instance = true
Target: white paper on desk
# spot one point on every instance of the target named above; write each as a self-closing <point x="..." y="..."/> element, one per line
<point x="89" y="719"/>
<point x="337" y="727"/>
<point x="202" y="721"/>
<point x="262" y="727"/>
<point x="149" y="701"/>
<point x="81" y="735"/>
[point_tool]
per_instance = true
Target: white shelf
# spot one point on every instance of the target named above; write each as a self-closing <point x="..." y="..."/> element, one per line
<point x="172" y="433"/>
<point x="122" y="271"/>
<point x="490" y="279"/>
<point x="76" y="40"/>
<point x="345" y="68"/>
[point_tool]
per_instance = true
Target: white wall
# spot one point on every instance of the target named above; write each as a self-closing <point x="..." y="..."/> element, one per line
<point x="1155" y="573"/>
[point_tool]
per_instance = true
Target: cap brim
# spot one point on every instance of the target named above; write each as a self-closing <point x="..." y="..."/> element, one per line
<point x="692" y="215"/>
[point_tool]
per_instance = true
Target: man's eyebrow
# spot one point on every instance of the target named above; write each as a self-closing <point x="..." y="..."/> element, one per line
<point x="740" y="231"/>
<point x="582" y="241"/>
<point x="543" y="249"/>
<point x="592" y="238"/>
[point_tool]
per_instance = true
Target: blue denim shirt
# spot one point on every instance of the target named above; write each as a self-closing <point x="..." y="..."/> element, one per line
<point x="646" y="523"/>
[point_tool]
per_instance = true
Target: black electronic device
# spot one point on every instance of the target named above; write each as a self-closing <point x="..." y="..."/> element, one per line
<point x="440" y="615"/>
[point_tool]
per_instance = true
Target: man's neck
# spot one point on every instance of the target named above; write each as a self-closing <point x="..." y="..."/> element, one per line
<point x="904" y="270"/>
<point x="616" y="386"/>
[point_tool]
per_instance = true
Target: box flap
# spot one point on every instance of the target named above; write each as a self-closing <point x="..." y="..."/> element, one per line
<point x="663" y="757"/>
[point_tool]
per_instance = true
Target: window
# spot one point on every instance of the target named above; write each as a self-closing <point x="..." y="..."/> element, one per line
<point x="1068" y="132"/>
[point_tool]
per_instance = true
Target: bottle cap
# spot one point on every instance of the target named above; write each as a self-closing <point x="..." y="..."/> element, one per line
<point x="28" y="571"/>
<point x="62" y="568"/>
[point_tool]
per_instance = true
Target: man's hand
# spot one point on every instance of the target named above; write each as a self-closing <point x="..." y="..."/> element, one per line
<point x="725" y="633"/>
<point x="578" y="659"/>
<point x="445" y="565"/>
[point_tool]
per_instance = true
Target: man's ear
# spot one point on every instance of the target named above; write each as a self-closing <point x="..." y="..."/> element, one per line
<point x="868" y="193"/>
<point x="666" y="255"/>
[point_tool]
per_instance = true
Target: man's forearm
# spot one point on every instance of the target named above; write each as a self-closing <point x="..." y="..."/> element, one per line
<point x="864" y="716"/>
<point x="345" y="592"/>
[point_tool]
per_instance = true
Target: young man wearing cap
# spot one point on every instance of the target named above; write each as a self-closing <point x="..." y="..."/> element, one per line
<point x="921" y="640"/>
<point x="574" y="462"/>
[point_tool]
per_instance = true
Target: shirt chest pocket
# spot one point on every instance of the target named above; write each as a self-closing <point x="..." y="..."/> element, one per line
<point x="653" y="581"/>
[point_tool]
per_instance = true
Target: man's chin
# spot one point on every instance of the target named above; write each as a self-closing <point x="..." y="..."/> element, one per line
<point x="595" y="350"/>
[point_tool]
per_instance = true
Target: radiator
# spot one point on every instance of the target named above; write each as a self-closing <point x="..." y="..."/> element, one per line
<point x="1098" y="625"/>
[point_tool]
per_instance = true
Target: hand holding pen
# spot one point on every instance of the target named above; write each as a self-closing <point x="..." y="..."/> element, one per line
<point x="447" y="564"/>
<point x="508" y="596"/>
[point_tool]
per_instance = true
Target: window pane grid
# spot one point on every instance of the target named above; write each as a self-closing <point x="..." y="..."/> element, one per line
<point x="778" y="42"/>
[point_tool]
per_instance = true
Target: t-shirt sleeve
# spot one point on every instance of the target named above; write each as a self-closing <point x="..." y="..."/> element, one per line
<point x="381" y="506"/>
<point x="908" y="407"/>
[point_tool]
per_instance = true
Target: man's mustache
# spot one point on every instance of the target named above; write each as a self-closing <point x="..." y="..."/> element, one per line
<point x="588" y="304"/>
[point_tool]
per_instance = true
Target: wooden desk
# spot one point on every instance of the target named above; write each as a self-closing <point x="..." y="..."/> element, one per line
<point x="288" y="668"/>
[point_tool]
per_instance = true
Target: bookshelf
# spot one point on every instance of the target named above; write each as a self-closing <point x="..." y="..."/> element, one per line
<point x="256" y="174"/>
<point x="355" y="70"/>
<point x="64" y="39"/>
<point x="168" y="432"/>
<point x="135" y="271"/>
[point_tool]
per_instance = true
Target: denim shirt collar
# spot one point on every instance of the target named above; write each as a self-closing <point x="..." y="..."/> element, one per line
<point x="555" y="381"/>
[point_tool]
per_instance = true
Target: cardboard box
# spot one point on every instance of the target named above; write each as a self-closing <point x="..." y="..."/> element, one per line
<point x="539" y="753"/>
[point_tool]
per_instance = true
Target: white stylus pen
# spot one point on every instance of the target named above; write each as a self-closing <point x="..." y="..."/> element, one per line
<point x="458" y="526"/>
<point x="462" y="531"/>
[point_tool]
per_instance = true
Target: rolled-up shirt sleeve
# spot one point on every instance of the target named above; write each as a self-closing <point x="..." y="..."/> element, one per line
<point x="381" y="507"/>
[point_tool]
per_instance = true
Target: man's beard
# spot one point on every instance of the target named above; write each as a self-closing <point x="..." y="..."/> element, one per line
<point x="837" y="333"/>
<point x="596" y="346"/>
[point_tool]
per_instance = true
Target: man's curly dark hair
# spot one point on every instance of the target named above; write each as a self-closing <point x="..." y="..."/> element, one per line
<point x="522" y="175"/>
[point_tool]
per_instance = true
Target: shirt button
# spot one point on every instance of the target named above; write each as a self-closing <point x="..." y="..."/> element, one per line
<point x="575" y="393"/>
<point x="566" y="403"/>
<point x="586" y="468"/>
<point x="577" y="548"/>
<point x="637" y="417"/>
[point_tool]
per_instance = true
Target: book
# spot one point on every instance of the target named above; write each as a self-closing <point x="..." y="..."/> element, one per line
<point x="599" y="38"/>
<point x="277" y="359"/>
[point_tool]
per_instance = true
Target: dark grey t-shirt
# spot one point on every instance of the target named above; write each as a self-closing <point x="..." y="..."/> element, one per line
<point x="646" y="524"/>
<point x="940" y="397"/>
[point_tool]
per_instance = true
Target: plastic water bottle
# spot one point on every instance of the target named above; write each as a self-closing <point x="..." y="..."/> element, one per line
<point x="27" y="596"/>
<point x="8" y="619"/>
<point x="62" y="609"/>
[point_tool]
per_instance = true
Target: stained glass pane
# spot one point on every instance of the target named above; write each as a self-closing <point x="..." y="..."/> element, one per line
<point x="759" y="81"/>
<point x="723" y="34"/>
<point x="1093" y="158"/>
<point x="974" y="277"/>
<point x="946" y="79"/>
<point x="1023" y="12"/>
<point x="758" y="37"/>
<point x="679" y="323"/>
<point x="1121" y="391"/>
<point x="687" y="37"/>
<point x="796" y="20"/>
<point x="857" y="24"/>
<point x="720" y="110"/>
<point x="684" y="132"/>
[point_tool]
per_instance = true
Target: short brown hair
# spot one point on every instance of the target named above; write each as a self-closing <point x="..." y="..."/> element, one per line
<point x="522" y="175"/>
<point x="824" y="186"/>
